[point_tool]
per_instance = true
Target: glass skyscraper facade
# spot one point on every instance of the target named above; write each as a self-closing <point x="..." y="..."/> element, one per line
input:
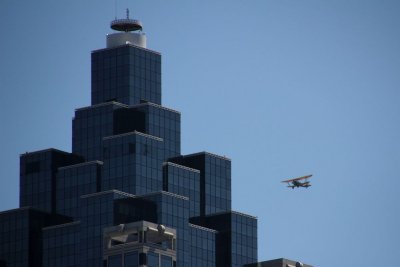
<point x="126" y="196"/>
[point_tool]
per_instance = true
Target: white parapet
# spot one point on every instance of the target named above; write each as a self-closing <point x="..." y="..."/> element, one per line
<point x="123" y="38"/>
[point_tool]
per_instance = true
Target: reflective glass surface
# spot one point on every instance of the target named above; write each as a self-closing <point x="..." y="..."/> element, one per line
<point x="61" y="245"/>
<point x="131" y="259"/>
<point x="183" y="181"/>
<point x="202" y="250"/>
<point x="166" y="261"/>
<point x="38" y="177"/>
<point x="73" y="182"/>
<point x="152" y="260"/>
<point x="115" y="261"/>
<point x="132" y="163"/>
<point x="215" y="180"/>
<point x="236" y="239"/>
<point x="127" y="75"/>
<point x="21" y="235"/>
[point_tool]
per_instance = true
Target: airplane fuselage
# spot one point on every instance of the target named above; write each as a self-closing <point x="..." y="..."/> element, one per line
<point x="299" y="184"/>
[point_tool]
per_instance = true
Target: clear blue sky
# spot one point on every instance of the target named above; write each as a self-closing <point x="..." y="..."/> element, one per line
<point x="282" y="87"/>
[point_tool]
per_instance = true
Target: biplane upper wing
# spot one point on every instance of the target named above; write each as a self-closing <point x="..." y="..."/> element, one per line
<point x="296" y="179"/>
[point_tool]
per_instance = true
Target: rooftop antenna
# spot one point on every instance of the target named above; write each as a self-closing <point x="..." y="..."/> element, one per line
<point x="115" y="9"/>
<point x="127" y="24"/>
<point x="129" y="32"/>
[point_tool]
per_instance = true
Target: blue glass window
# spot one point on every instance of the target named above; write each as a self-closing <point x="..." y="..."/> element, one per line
<point x="152" y="259"/>
<point x="115" y="261"/>
<point x="131" y="260"/>
<point x="166" y="261"/>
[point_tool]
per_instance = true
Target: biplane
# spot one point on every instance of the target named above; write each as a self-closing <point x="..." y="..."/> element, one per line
<point x="299" y="182"/>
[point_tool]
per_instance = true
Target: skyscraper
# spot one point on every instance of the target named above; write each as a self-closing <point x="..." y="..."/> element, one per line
<point x="125" y="196"/>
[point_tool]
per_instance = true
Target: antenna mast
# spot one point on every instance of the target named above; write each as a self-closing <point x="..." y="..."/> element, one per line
<point x="115" y="8"/>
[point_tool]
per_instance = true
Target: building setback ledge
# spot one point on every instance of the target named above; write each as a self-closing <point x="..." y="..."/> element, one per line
<point x="81" y="164"/>
<point x="47" y="150"/>
<point x="61" y="225"/>
<point x="16" y="210"/>
<point x="180" y="166"/>
<point x="113" y="191"/>
<point x="231" y="212"/>
<point x="110" y="103"/>
<point x="207" y="153"/>
<point x="103" y="105"/>
<point x="134" y="133"/>
<point x="202" y="228"/>
<point x="132" y="45"/>
<point x="155" y="105"/>
<point x="163" y="193"/>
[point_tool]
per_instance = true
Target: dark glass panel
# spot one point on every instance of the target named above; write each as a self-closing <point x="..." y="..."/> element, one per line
<point x="115" y="261"/>
<point x="131" y="260"/>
